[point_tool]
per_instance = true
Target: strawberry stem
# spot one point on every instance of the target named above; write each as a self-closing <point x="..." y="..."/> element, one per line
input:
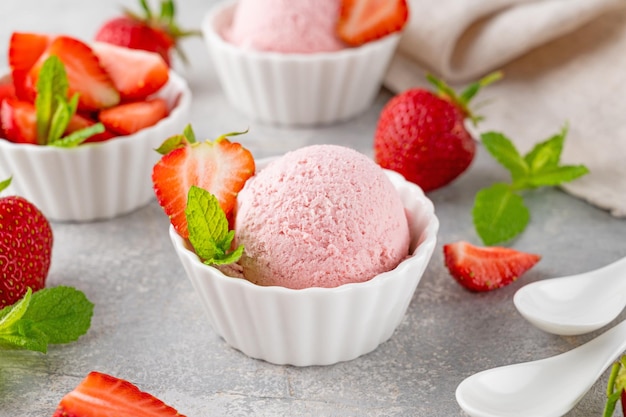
<point x="462" y="100"/>
<point x="615" y="386"/>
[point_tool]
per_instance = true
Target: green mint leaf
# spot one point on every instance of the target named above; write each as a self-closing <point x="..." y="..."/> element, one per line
<point x="60" y="120"/>
<point x="52" y="83"/>
<point x="557" y="175"/>
<point x="208" y="228"/>
<point x="546" y="154"/>
<point x="62" y="313"/>
<point x="12" y="314"/>
<point x="51" y="315"/>
<point x="27" y="337"/>
<point x="499" y="214"/>
<point x="503" y="150"/>
<point x="79" y="136"/>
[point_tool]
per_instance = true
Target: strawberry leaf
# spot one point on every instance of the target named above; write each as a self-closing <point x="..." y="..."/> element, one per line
<point x="5" y="183"/>
<point x="208" y="228"/>
<point x="499" y="214"/>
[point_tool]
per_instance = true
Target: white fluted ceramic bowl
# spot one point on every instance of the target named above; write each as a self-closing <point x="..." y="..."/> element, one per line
<point x="95" y="181"/>
<point x="315" y="326"/>
<point x="296" y="89"/>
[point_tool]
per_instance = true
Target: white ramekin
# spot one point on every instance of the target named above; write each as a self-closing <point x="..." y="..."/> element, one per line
<point x="95" y="181"/>
<point x="315" y="326"/>
<point x="296" y="89"/>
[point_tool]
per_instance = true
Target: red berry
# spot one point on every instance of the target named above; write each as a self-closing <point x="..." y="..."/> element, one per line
<point x="105" y="395"/>
<point x="486" y="268"/>
<point x="221" y="167"/>
<point x="129" y="118"/>
<point x="85" y="75"/>
<point x="151" y="31"/>
<point x="25" y="249"/>
<point x="149" y="71"/>
<point x="422" y="135"/>
<point x="18" y="120"/>
<point x="362" y="21"/>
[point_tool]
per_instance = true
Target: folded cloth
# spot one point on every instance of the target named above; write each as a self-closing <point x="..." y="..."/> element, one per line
<point x="564" y="62"/>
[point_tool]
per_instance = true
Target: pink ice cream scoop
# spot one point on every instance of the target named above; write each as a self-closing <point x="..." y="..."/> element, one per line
<point x="320" y="216"/>
<point x="288" y="26"/>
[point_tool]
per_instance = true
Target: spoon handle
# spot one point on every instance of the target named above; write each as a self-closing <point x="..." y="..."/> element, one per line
<point x="548" y="387"/>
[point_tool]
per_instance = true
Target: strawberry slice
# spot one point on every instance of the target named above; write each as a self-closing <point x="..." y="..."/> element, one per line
<point x="84" y="74"/>
<point x="24" y="51"/>
<point x="149" y="71"/>
<point x="18" y="120"/>
<point x="79" y="121"/>
<point x="101" y="395"/>
<point x="129" y="118"/>
<point x="362" y="21"/>
<point x="486" y="268"/>
<point x="221" y="167"/>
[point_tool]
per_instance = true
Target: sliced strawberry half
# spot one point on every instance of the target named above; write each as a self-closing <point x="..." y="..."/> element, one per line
<point x="18" y="120"/>
<point x="128" y="118"/>
<point x="362" y="21"/>
<point x="25" y="49"/>
<point x="486" y="268"/>
<point x="84" y="73"/>
<point x="221" y="167"/>
<point x="100" y="395"/>
<point x="149" y="71"/>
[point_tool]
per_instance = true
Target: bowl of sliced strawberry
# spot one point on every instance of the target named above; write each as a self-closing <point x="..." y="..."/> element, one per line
<point x="79" y="122"/>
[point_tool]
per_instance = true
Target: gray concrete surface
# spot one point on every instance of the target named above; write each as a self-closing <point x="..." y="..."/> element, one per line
<point x="149" y="326"/>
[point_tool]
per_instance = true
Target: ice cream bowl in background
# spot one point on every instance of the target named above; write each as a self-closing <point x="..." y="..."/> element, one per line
<point x="95" y="181"/>
<point x="316" y="326"/>
<point x="295" y="89"/>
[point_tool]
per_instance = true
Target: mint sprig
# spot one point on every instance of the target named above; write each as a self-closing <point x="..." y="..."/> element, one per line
<point x="49" y="316"/>
<point x="54" y="111"/>
<point x="499" y="212"/>
<point x="209" y="233"/>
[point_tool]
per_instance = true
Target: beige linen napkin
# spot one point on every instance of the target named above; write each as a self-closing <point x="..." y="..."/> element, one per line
<point x="564" y="61"/>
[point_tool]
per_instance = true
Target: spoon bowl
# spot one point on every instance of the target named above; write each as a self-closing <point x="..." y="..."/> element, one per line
<point x="575" y="304"/>
<point x="547" y="387"/>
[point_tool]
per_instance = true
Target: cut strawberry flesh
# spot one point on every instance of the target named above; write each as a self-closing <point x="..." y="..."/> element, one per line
<point x="102" y="395"/>
<point x="362" y="21"/>
<point x="84" y="73"/>
<point x="129" y="118"/>
<point x="25" y="49"/>
<point x="19" y="121"/>
<point x="220" y="167"/>
<point x="149" y="71"/>
<point x="486" y="268"/>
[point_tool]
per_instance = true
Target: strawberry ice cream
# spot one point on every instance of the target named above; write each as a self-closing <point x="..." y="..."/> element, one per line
<point x="287" y="26"/>
<point x="320" y="216"/>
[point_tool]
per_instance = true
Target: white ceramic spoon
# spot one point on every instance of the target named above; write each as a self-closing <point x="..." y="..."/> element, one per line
<point x="575" y="304"/>
<point x="547" y="387"/>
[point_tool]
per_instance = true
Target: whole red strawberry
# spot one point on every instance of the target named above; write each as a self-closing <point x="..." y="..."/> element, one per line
<point x="25" y="247"/>
<point x="151" y="32"/>
<point x="422" y="135"/>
